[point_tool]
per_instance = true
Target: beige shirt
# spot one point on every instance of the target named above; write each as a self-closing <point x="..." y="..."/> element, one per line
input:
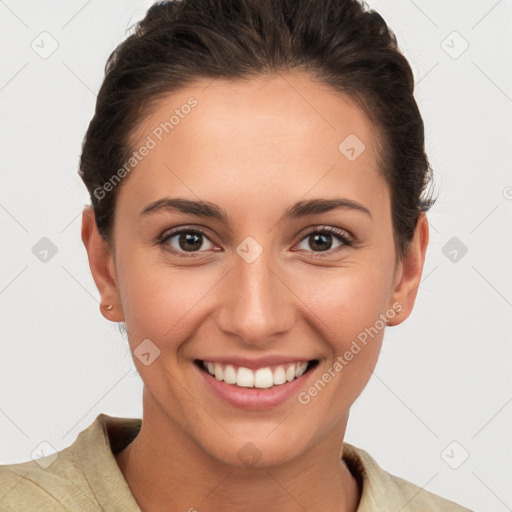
<point x="85" y="477"/>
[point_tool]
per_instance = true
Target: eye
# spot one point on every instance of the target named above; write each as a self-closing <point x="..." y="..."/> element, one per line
<point x="187" y="241"/>
<point x="320" y="240"/>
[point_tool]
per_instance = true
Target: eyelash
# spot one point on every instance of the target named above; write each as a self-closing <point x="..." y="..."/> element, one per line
<point x="338" y="233"/>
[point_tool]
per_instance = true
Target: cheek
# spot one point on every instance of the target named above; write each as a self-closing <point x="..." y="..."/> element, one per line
<point x="159" y="300"/>
<point x="345" y="310"/>
<point x="347" y="300"/>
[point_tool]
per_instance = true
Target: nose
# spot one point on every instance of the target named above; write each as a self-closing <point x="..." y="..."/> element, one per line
<point x="256" y="303"/>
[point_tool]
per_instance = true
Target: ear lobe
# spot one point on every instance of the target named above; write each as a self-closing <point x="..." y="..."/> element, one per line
<point x="410" y="270"/>
<point x="101" y="263"/>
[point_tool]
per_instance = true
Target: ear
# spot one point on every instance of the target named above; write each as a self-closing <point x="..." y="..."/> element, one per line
<point x="408" y="272"/>
<point x="101" y="262"/>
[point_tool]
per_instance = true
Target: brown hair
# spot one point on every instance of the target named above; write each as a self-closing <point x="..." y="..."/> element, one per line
<point x="340" y="43"/>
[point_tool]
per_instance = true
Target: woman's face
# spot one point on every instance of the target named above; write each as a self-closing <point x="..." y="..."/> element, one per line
<point x="258" y="167"/>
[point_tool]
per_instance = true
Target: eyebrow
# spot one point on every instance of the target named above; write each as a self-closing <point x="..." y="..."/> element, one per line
<point x="211" y="210"/>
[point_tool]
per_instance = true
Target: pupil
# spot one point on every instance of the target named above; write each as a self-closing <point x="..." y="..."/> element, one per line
<point x="189" y="238"/>
<point x="318" y="238"/>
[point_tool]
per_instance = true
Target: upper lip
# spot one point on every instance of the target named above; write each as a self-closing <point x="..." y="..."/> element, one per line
<point x="261" y="362"/>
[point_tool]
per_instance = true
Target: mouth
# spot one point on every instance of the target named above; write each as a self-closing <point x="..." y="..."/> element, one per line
<point x="266" y="377"/>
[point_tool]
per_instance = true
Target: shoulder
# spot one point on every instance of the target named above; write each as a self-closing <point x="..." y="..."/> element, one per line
<point x="83" y="477"/>
<point x="54" y="483"/>
<point x="50" y="483"/>
<point x="384" y="491"/>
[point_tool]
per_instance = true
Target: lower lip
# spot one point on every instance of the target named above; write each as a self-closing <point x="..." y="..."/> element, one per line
<point x="255" y="399"/>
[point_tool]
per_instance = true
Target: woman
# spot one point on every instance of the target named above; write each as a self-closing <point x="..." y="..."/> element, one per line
<point x="257" y="176"/>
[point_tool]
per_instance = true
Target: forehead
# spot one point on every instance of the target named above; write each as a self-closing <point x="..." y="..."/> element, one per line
<point x="281" y="135"/>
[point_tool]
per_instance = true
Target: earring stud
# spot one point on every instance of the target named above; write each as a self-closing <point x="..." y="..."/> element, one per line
<point x="108" y="308"/>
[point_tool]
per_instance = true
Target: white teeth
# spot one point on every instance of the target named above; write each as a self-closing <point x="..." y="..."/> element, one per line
<point x="229" y="374"/>
<point x="219" y="373"/>
<point x="244" y="377"/>
<point x="301" y="368"/>
<point x="290" y="373"/>
<point x="262" y="378"/>
<point x="279" y="375"/>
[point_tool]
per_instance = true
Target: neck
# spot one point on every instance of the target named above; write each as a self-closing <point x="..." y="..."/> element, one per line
<point x="166" y="470"/>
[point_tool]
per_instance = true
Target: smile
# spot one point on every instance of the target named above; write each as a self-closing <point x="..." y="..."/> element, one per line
<point x="262" y="378"/>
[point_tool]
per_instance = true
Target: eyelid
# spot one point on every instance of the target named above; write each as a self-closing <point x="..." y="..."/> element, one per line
<point x="345" y="238"/>
<point x="342" y="233"/>
<point x="179" y="229"/>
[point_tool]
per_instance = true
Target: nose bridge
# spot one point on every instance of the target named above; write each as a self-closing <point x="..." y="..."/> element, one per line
<point x="257" y="305"/>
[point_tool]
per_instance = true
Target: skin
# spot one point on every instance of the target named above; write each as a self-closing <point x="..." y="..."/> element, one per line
<point x="254" y="148"/>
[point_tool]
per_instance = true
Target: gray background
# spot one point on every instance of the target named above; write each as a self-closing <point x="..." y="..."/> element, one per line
<point x="442" y="388"/>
